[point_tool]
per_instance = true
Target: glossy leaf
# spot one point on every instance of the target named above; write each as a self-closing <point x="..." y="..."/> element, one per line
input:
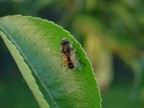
<point x="35" y="45"/>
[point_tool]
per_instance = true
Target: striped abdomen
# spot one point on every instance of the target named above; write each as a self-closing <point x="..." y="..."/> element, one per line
<point x="70" y="64"/>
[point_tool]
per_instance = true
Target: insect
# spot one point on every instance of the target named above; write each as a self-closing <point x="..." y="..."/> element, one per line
<point x="68" y="54"/>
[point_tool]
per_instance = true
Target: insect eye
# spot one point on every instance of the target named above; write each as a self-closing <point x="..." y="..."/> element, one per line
<point x="64" y="43"/>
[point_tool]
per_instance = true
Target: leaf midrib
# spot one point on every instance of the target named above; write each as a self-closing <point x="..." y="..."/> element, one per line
<point x="30" y="67"/>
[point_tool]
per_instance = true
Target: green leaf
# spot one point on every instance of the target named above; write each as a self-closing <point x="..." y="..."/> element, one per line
<point x="35" y="45"/>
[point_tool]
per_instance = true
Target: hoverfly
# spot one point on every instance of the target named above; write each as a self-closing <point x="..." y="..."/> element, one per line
<point x="68" y="54"/>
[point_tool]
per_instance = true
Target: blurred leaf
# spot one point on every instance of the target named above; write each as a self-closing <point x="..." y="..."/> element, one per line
<point x="119" y="44"/>
<point x="87" y="24"/>
<point x="131" y="3"/>
<point x="40" y="4"/>
<point x="137" y="65"/>
<point x="34" y="44"/>
<point x="96" y="48"/>
<point x="122" y="13"/>
<point x="101" y="59"/>
<point x="90" y="4"/>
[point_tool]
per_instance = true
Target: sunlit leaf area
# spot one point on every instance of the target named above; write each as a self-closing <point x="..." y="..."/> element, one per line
<point x="33" y="43"/>
<point x="110" y="31"/>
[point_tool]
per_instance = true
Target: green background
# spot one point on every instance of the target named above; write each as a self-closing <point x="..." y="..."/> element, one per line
<point x="116" y="25"/>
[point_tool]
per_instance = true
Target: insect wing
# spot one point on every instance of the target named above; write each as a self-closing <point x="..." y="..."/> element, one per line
<point x="78" y="66"/>
<point x="76" y="61"/>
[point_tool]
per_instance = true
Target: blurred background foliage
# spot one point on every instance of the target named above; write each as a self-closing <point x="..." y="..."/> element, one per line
<point x="110" y="31"/>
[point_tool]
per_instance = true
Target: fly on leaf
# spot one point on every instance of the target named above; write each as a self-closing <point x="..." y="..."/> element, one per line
<point x="68" y="54"/>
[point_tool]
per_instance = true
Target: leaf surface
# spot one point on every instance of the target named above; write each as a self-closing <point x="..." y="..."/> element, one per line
<point x="35" y="45"/>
